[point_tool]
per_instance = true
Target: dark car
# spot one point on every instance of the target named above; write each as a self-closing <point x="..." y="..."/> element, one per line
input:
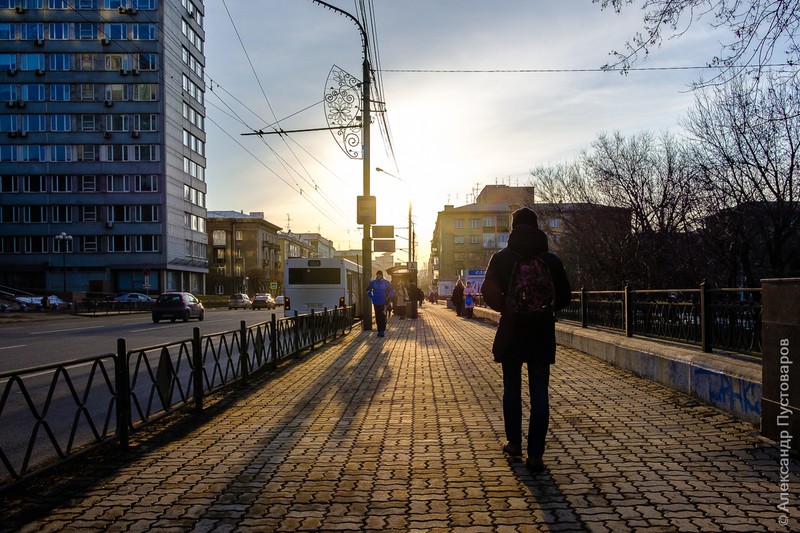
<point x="177" y="305"/>
<point x="134" y="297"/>
<point x="263" y="301"/>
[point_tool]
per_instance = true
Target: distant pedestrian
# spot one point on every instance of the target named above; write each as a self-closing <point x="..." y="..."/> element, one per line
<point x="401" y="295"/>
<point x="469" y="299"/>
<point x="458" y="297"/>
<point x="527" y="284"/>
<point x="380" y="291"/>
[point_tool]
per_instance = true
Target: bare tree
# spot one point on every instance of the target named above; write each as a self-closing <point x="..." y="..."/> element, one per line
<point x="760" y="30"/>
<point x="748" y="142"/>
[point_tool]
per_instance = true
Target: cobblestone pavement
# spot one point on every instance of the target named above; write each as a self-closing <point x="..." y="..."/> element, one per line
<point x="404" y="434"/>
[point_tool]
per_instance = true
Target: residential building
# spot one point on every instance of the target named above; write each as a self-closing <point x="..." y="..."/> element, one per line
<point x="323" y="247"/>
<point x="244" y="253"/>
<point x="102" y="145"/>
<point x="465" y="237"/>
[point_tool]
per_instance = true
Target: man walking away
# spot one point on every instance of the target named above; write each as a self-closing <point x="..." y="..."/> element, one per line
<point x="380" y="291"/>
<point x="527" y="284"/>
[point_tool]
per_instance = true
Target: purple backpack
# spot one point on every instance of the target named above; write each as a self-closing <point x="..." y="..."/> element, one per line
<point x="530" y="290"/>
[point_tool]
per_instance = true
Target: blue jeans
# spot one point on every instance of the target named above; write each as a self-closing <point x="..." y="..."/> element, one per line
<point x="538" y="384"/>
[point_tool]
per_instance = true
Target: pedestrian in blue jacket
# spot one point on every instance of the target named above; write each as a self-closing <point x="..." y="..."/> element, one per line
<point x="380" y="291"/>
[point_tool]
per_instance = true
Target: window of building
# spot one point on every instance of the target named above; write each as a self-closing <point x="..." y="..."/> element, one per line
<point x="88" y="183"/>
<point x="8" y="184"/>
<point x="60" y="122"/>
<point x="61" y="213"/>
<point x="8" y="152"/>
<point x="61" y="152"/>
<point x="145" y="92"/>
<point x="116" y="61"/>
<point x="59" y="92"/>
<point x="88" y="92"/>
<point x="489" y="222"/>
<point x="554" y="222"/>
<point x="116" y="152"/>
<point x="86" y="61"/>
<point x="87" y="152"/>
<point x="219" y="238"/>
<point x="88" y="213"/>
<point x="8" y="61"/>
<point x="58" y="4"/>
<point x="116" y="31"/>
<point x="474" y="239"/>
<point x="116" y="122"/>
<point x="32" y="62"/>
<point x="31" y="30"/>
<point x="117" y="184"/>
<point x="85" y="4"/>
<point x="118" y="243"/>
<point x="144" y="32"/>
<point x="86" y="30"/>
<point x="33" y="92"/>
<point x="146" y="213"/>
<point x="458" y="223"/>
<point x="88" y="243"/>
<point x="145" y="61"/>
<point x="118" y="213"/>
<point x="34" y="122"/>
<point x="61" y="183"/>
<point x="474" y="223"/>
<point x="33" y="153"/>
<point x="34" y="213"/>
<point x="145" y="122"/>
<point x="7" y="31"/>
<point x="458" y="239"/>
<point x="59" y="31"/>
<point x="8" y="92"/>
<point x="147" y="243"/>
<point x="60" y="61"/>
<point x="33" y="184"/>
<point x="9" y="122"/>
<point x="147" y="183"/>
<point x="117" y="91"/>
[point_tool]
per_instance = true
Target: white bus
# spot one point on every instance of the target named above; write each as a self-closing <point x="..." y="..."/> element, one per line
<point x="320" y="283"/>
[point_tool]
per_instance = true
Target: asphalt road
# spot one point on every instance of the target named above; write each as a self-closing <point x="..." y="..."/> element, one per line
<point x="32" y="341"/>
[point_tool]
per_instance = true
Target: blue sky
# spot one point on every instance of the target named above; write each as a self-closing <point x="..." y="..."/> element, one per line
<point x="452" y="132"/>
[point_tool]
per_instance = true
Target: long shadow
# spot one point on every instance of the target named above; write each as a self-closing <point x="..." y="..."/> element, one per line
<point x="37" y="497"/>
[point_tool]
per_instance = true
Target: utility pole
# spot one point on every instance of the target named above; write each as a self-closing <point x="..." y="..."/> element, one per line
<point x="366" y="243"/>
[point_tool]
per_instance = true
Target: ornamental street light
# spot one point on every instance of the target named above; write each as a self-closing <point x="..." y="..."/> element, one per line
<point x="366" y="243"/>
<point x="63" y="241"/>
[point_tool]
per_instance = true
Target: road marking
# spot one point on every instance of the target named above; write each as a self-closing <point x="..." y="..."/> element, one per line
<point x="49" y="332"/>
<point x="10" y="347"/>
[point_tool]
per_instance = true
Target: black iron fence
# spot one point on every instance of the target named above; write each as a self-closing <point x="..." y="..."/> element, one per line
<point x="722" y="319"/>
<point x="54" y="412"/>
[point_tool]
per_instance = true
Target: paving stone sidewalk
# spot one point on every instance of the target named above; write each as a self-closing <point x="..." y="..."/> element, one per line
<point x="404" y="433"/>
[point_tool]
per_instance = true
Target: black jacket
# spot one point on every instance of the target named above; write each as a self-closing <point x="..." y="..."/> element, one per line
<point x="523" y="338"/>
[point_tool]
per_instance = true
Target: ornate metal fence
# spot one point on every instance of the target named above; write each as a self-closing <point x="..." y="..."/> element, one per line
<point x="54" y="412"/>
<point x="722" y="319"/>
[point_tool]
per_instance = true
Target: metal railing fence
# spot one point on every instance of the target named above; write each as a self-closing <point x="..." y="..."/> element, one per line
<point x="722" y="319"/>
<point x="54" y="412"/>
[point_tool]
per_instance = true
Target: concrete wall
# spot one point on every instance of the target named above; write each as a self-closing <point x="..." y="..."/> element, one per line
<point x="729" y="382"/>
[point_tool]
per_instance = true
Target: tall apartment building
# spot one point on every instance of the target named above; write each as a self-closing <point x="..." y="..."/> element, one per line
<point x="102" y="145"/>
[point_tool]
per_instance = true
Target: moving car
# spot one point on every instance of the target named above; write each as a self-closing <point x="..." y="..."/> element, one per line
<point x="279" y="300"/>
<point x="263" y="301"/>
<point x="177" y="305"/>
<point x="134" y="297"/>
<point x="239" y="301"/>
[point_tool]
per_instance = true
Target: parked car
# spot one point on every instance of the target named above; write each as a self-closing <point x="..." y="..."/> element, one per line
<point x="134" y="297"/>
<point x="177" y="305"/>
<point x="239" y="301"/>
<point x="263" y="301"/>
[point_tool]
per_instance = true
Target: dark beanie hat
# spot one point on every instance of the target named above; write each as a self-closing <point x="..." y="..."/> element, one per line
<point x="524" y="215"/>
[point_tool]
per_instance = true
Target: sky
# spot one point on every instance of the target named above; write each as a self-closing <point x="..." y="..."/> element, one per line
<point x="451" y="131"/>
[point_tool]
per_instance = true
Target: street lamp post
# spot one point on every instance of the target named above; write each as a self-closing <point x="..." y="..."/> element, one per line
<point x="366" y="243"/>
<point x="63" y="239"/>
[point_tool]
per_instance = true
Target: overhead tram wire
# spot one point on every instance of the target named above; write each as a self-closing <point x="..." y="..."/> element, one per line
<point x="564" y="70"/>
<point x="309" y="180"/>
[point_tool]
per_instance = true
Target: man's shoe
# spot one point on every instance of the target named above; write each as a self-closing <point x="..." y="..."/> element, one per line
<point x="512" y="449"/>
<point x="534" y="464"/>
